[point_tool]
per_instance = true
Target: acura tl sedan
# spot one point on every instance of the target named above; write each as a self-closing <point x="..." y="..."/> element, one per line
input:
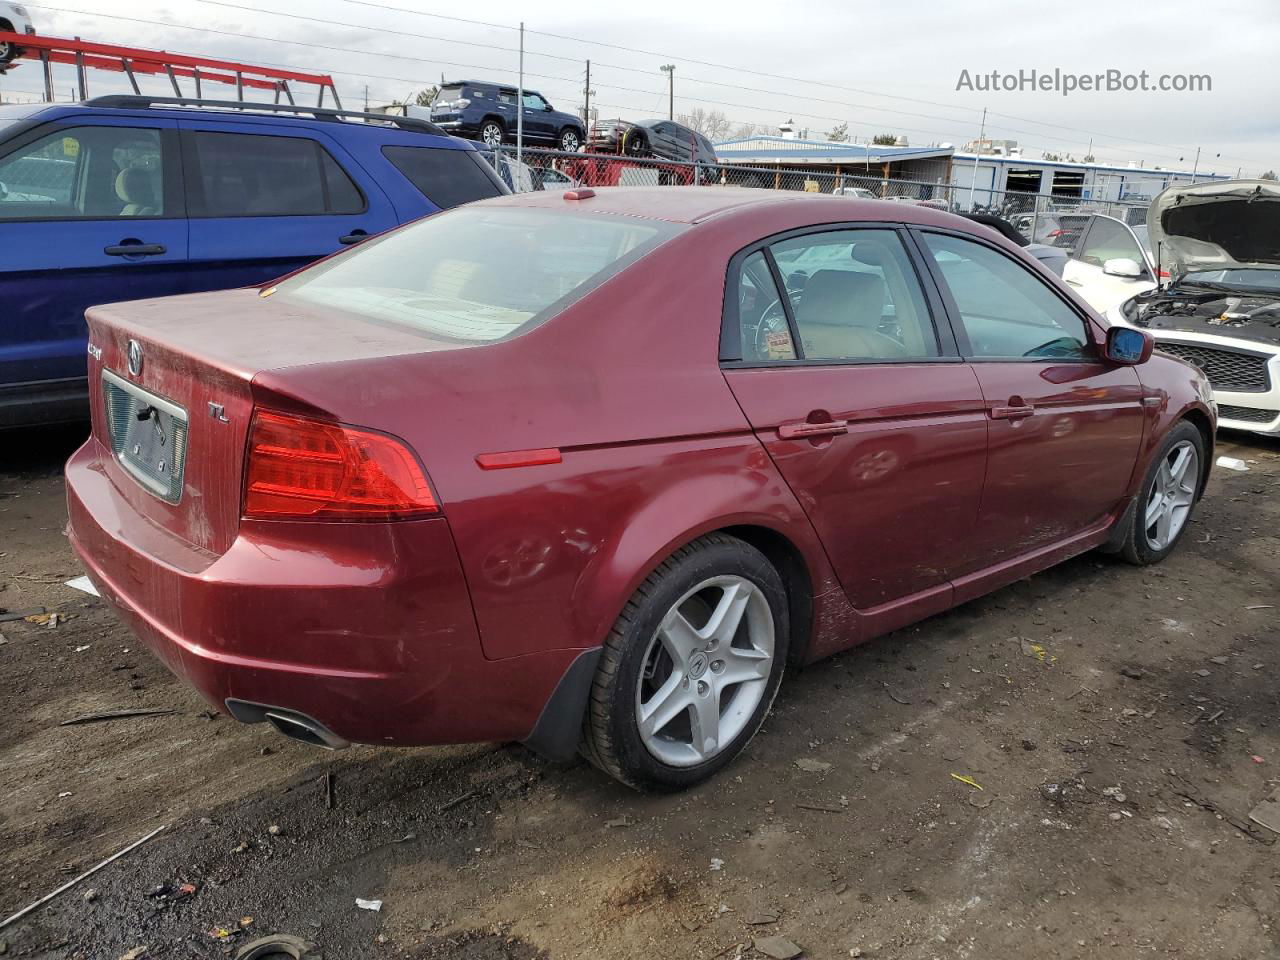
<point x="592" y="471"/>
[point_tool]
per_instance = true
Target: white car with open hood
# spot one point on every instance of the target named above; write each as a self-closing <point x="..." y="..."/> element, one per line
<point x="1220" y="307"/>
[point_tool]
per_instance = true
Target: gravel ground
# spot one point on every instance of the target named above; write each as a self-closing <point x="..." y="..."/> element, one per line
<point x="1115" y="727"/>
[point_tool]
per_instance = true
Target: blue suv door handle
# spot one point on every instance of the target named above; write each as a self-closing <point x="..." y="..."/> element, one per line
<point x="355" y="236"/>
<point x="134" y="248"/>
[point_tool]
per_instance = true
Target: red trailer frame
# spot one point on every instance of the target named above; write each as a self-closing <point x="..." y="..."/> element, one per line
<point x="131" y="61"/>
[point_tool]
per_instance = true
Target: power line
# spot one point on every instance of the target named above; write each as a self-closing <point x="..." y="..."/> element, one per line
<point x="647" y="93"/>
<point x="775" y="76"/>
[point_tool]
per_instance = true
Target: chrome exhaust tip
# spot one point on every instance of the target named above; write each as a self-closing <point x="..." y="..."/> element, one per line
<point x="291" y="723"/>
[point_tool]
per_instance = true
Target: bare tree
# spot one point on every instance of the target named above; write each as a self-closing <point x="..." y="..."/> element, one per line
<point x="712" y="124"/>
<point x="745" y="131"/>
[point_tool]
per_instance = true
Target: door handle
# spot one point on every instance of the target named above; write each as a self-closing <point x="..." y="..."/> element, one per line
<point x="355" y="236"/>
<point x="1013" y="412"/>
<point x="805" y="429"/>
<point x="134" y="249"/>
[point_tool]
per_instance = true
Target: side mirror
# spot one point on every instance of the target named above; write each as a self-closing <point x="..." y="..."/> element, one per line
<point x="548" y="108"/>
<point x="1123" y="267"/>
<point x="1128" y="347"/>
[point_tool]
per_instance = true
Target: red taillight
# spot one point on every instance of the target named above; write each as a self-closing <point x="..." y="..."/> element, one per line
<point x="311" y="470"/>
<point x="1163" y="274"/>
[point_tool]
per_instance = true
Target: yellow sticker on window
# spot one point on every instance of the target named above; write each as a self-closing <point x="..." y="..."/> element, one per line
<point x="778" y="346"/>
<point x="70" y="147"/>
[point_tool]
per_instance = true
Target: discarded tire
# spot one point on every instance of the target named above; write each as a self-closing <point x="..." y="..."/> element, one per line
<point x="279" y="947"/>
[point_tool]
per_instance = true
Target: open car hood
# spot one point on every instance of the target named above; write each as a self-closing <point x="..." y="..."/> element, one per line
<point x="1218" y="225"/>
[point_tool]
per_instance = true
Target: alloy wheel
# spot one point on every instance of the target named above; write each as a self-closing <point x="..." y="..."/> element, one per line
<point x="705" y="671"/>
<point x="569" y="142"/>
<point x="491" y="134"/>
<point x="1172" y="494"/>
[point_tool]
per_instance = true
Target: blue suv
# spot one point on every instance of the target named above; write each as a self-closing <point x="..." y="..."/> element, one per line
<point x="124" y="198"/>
<point x="487" y="112"/>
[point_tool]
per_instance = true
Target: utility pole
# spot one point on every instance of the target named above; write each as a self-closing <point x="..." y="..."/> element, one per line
<point x="670" y="70"/>
<point x="366" y="98"/>
<point x="520" y="101"/>
<point x="1196" y="166"/>
<point x="586" y="100"/>
<point x="982" y="134"/>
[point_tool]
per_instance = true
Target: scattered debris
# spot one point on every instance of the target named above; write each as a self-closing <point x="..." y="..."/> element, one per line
<point x="1202" y="673"/>
<point x="717" y="864"/>
<point x="1267" y="813"/>
<point x="456" y="802"/>
<point x="10" y="615"/>
<point x="1053" y="792"/>
<point x="1257" y="759"/>
<point x="71" y="883"/>
<point x="777" y="948"/>
<point x="622" y="821"/>
<point x="274" y="830"/>
<point x="812" y="766"/>
<point x="117" y="715"/>
<point x="1185" y="790"/>
<point x="1133" y="673"/>
<point x="967" y="780"/>
<point x="84" y="584"/>
<point x="1072" y="696"/>
<point x="1220" y="661"/>
<point x="1261" y="606"/>
<point x="134" y="954"/>
<point x="328" y="791"/>
<point x="761" y="918"/>
<point x="1035" y="651"/>
<point x="979" y="800"/>
<point x="823" y="807"/>
<point x="893" y="696"/>
<point x="374" y="905"/>
<point x="1231" y="463"/>
<point x="1115" y="793"/>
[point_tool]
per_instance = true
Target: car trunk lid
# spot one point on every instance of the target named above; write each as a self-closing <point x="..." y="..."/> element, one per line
<point x="173" y="392"/>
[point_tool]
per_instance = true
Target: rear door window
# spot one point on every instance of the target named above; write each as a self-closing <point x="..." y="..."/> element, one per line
<point x="445" y="177"/>
<point x="854" y="295"/>
<point x="91" y="172"/>
<point x="253" y="175"/>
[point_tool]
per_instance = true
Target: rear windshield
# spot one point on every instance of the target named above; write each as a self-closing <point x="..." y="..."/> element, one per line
<point x="478" y="274"/>
<point x="448" y="93"/>
<point x="445" y="177"/>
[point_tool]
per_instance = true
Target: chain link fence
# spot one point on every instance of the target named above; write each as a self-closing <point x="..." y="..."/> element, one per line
<point x="1040" y="218"/>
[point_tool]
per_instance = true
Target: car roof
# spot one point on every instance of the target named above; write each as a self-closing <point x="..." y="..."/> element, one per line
<point x="330" y="123"/>
<point x="698" y="204"/>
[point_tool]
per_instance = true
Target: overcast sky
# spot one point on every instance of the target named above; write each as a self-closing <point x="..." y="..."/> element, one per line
<point x="880" y="67"/>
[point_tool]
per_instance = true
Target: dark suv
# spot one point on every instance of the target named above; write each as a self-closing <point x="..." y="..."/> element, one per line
<point x="487" y="112"/>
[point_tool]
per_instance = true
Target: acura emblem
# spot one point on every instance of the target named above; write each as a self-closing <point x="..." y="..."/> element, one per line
<point x="135" y="358"/>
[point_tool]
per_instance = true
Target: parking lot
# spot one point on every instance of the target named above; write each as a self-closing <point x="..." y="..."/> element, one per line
<point x="1113" y="726"/>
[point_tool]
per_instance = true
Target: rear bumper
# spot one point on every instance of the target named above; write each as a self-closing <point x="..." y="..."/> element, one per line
<point x="365" y="628"/>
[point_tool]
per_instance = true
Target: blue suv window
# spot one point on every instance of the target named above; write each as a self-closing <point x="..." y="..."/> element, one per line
<point x="85" y="173"/>
<point x="250" y="175"/>
<point x="445" y="177"/>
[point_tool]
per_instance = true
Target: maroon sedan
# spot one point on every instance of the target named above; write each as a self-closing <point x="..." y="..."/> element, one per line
<point x="590" y="471"/>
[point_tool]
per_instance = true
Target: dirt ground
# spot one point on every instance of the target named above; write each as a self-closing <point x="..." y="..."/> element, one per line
<point x="1116" y="726"/>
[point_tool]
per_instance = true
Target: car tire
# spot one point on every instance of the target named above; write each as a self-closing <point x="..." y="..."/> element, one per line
<point x="491" y="133"/>
<point x="570" y="140"/>
<point x="635" y="144"/>
<point x="1162" y="513"/>
<point x="715" y="610"/>
<point x="8" y="53"/>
